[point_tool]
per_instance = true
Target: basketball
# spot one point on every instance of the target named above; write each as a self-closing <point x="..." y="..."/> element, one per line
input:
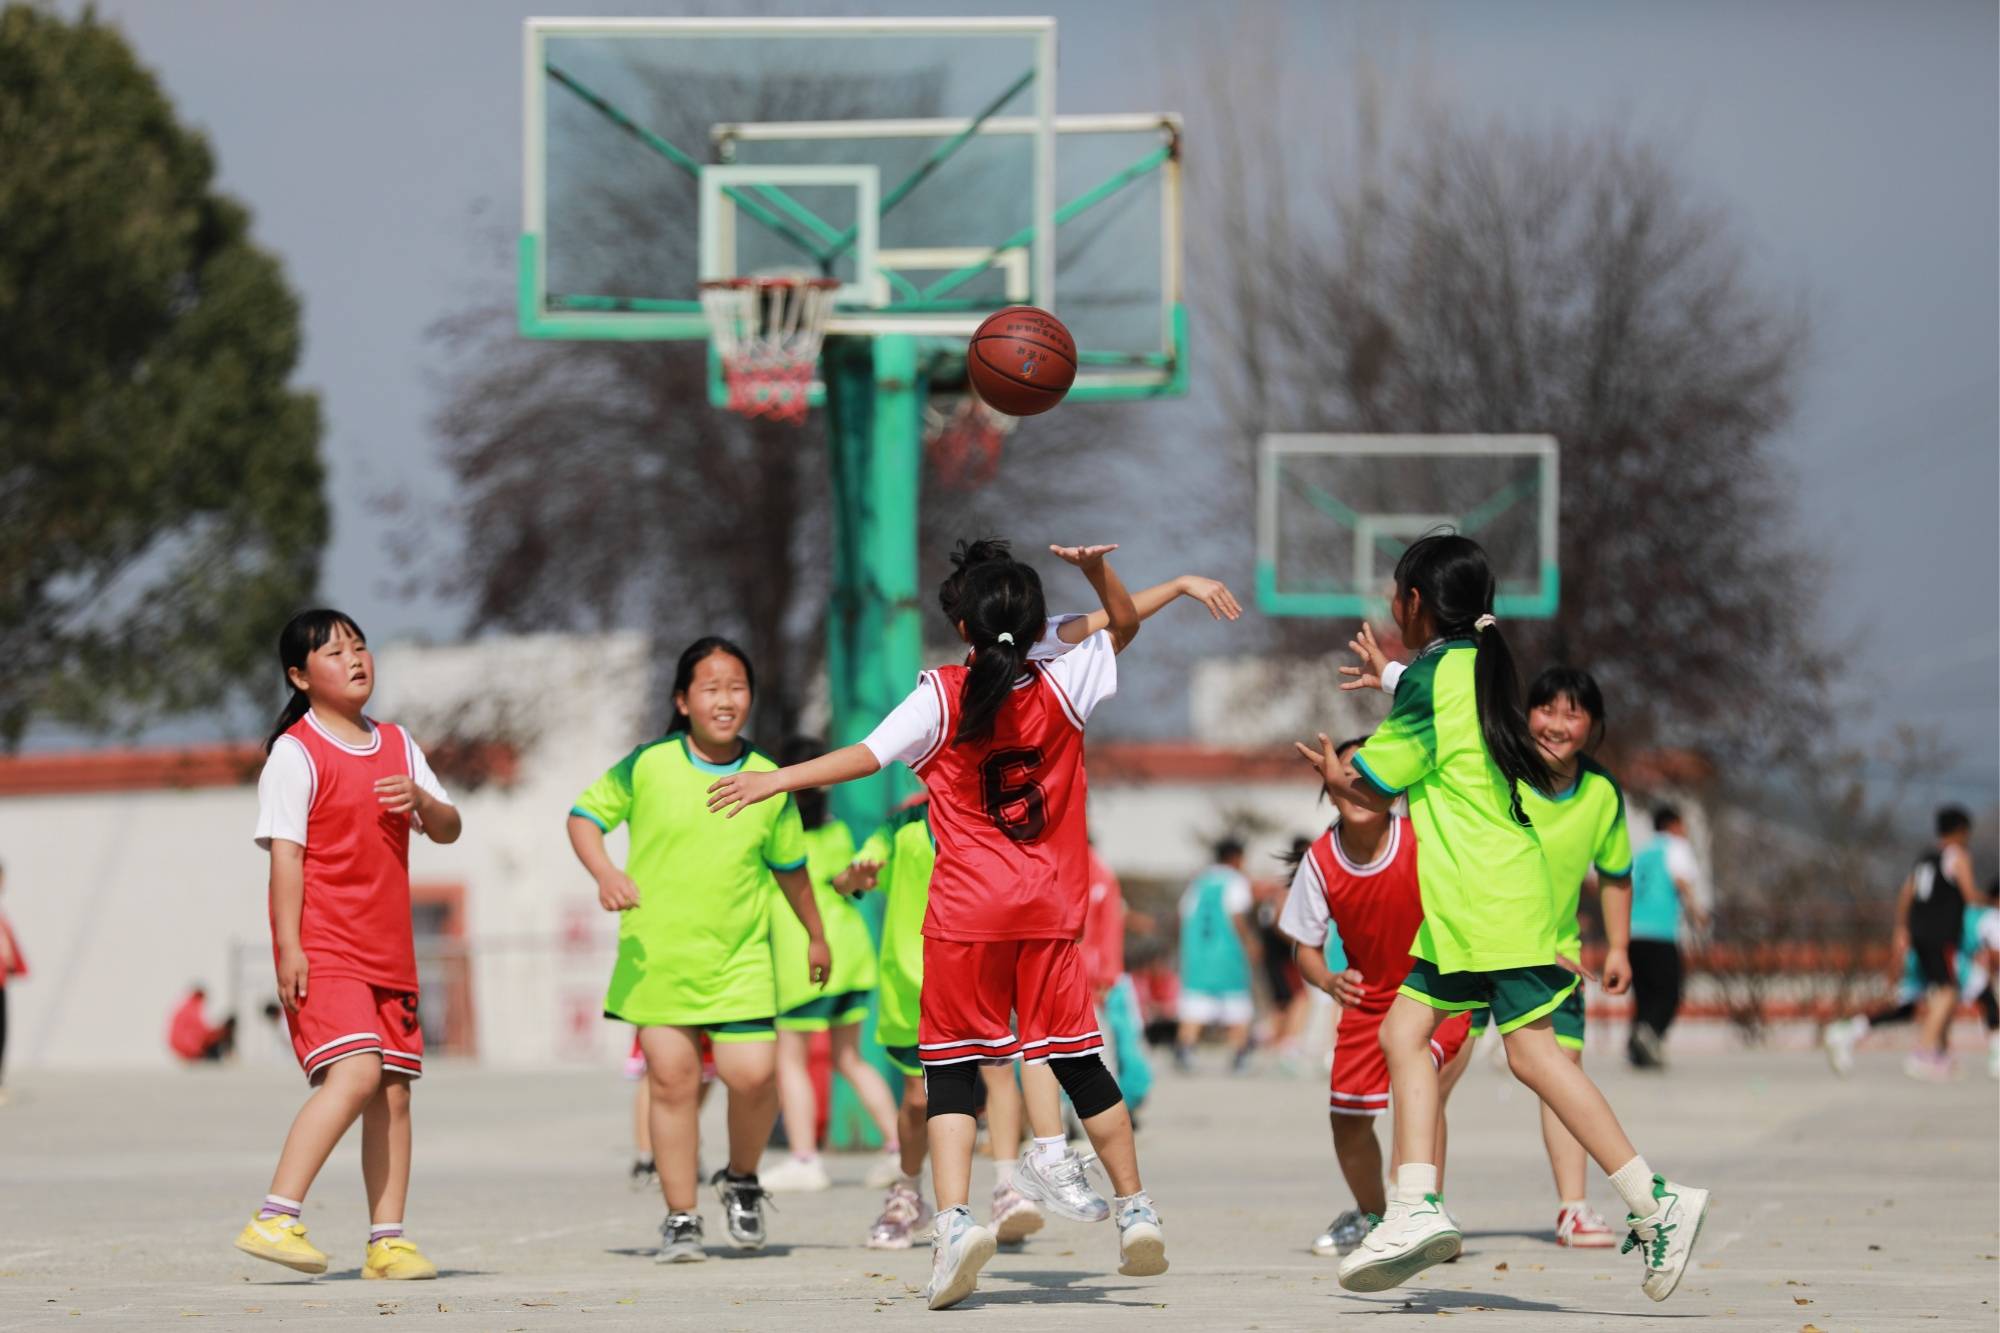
<point x="1021" y="361"/>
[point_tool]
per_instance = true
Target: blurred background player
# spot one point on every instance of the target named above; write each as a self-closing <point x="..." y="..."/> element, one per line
<point x="1291" y="999"/>
<point x="336" y="802"/>
<point x="12" y="965"/>
<point x="192" y="1037"/>
<point x="999" y="745"/>
<point x="1664" y="874"/>
<point x="694" y="935"/>
<point x="837" y="1010"/>
<point x="1930" y="921"/>
<point x="1117" y="1003"/>
<point x="1217" y="944"/>
<point x="1357" y="882"/>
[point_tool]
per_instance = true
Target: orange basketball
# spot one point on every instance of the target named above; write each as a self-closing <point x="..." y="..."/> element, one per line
<point x="1021" y="361"/>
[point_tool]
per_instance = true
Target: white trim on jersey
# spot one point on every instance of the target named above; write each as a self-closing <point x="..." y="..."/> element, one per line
<point x="374" y="738"/>
<point x="1062" y="699"/>
<point x="1380" y="863"/>
<point x="944" y="720"/>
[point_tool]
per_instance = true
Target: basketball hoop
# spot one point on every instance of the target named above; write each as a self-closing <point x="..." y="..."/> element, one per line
<point x="768" y="331"/>
<point x="964" y="442"/>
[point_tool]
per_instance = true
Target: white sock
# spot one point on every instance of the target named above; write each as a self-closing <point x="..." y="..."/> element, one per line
<point x="1120" y="1200"/>
<point x="1414" y="1180"/>
<point x="1861" y="1025"/>
<point x="915" y="1182"/>
<point x="384" y="1229"/>
<point x="1634" y="1183"/>
<point x="1003" y="1174"/>
<point x="277" y="1205"/>
<point x="1568" y="1204"/>
<point x="1051" y="1150"/>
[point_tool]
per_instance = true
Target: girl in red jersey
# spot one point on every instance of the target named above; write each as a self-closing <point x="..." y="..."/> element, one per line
<point x="338" y="797"/>
<point x="999" y="745"/>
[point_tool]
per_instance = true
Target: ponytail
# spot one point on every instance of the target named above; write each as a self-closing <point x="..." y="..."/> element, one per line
<point x="1455" y="586"/>
<point x="1002" y="609"/>
<point x="303" y="635"/>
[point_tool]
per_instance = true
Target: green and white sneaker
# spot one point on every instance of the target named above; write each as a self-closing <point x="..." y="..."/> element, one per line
<point x="1665" y="1237"/>
<point x="1410" y="1238"/>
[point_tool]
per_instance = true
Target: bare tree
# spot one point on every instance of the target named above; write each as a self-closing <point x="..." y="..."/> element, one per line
<point x="1428" y="276"/>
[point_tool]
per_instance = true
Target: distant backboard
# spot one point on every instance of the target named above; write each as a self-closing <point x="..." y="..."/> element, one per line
<point x="621" y="133"/>
<point x="1335" y="513"/>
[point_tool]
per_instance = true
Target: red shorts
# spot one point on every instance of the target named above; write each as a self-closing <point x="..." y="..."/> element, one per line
<point x="1361" y="1071"/>
<point x="635" y="1062"/>
<point x="344" y="1016"/>
<point x="972" y="988"/>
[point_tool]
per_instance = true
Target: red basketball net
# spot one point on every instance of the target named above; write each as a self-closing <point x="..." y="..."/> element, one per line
<point x="963" y="441"/>
<point x="768" y="332"/>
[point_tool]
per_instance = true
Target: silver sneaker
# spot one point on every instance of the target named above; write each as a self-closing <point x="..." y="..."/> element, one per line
<point x="1342" y="1234"/>
<point x="1064" y="1187"/>
<point x="743" y="1201"/>
<point x="1142" y="1245"/>
<point x="680" y="1239"/>
<point x="960" y="1247"/>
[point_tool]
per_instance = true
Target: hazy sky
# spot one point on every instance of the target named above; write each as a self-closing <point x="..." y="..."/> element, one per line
<point x="1856" y="143"/>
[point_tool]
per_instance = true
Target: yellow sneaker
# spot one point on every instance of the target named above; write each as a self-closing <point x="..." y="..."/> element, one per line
<point x="398" y="1260"/>
<point x="283" y="1241"/>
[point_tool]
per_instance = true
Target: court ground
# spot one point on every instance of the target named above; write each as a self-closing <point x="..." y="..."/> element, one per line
<point x="1860" y="1204"/>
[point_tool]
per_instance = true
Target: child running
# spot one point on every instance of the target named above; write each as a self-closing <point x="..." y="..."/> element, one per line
<point x="694" y="938"/>
<point x="838" y="1008"/>
<point x="1581" y="829"/>
<point x="338" y="797"/>
<point x="1457" y="743"/>
<point x="999" y="745"/>
<point x="1358" y="882"/>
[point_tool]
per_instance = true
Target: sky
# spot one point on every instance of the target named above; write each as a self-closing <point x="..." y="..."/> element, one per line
<point x="1855" y="145"/>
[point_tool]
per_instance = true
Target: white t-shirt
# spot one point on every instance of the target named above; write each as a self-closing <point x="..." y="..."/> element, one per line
<point x="1236" y="897"/>
<point x="1051" y="646"/>
<point x="1087" y="673"/>
<point x="284" y="790"/>
<point x="1681" y="863"/>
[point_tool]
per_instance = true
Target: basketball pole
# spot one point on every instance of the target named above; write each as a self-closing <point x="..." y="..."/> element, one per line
<point x="874" y="428"/>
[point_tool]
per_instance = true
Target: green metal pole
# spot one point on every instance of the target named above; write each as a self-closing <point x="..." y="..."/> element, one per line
<point x="875" y="395"/>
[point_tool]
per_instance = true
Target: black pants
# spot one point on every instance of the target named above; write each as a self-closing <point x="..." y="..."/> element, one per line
<point x="1656" y="983"/>
<point x="3" y="1030"/>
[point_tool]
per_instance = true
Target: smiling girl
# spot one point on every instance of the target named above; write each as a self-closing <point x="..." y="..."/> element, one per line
<point x="338" y="798"/>
<point x="694" y="938"/>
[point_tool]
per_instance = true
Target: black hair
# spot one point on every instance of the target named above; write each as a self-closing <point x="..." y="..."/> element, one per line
<point x="1664" y="815"/>
<point x="811" y="800"/>
<point x="1228" y="847"/>
<point x="1952" y="819"/>
<point x="1455" y="584"/>
<point x="303" y="635"/>
<point x="698" y="652"/>
<point x="963" y="558"/>
<point x="997" y="597"/>
<point x="1290" y="860"/>
<point x="1580" y="688"/>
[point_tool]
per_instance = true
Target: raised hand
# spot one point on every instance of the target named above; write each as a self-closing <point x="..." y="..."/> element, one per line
<point x="1323" y="760"/>
<point x="858" y="878"/>
<point x="1367" y="676"/>
<point x="1211" y="593"/>
<point x="1083" y="557"/>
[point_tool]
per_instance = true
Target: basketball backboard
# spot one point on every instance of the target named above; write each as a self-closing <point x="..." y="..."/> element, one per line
<point x="1335" y="512"/>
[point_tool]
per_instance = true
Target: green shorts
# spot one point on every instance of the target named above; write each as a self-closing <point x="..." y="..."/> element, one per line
<point x="1567" y="1020"/>
<point x="1517" y="996"/>
<point x="828" y="1011"/>
<point x="738" y="1029"/>
<point x="905" y="1060"/>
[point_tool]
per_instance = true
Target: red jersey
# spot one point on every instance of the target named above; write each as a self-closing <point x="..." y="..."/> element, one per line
<point x="188" y="1032"/>
<point x="1008" y="815"/>
<point x="356" y="919"/>
<point x="1376" y="908"/>
<point x="1104" y="926"/>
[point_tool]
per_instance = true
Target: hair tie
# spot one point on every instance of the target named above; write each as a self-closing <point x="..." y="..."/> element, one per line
<point x="1005" y="637"/>
<point x="1485" y="622"/>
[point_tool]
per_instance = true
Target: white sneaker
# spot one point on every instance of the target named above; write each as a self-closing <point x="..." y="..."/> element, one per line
<point x="1342" y="1234"/>
<point x="1840" y="1040"/>
<point x="1927" y="1068"/>
<point x="887" y="1170"/>
<point x="1665" y="1238"/>
<point x="1408" y="1239"/>
<point x="796" y="1175"/>
<point x="1015" y="1218"/>
<point x="960" y="1247"/>
<point x="1142" y="1245"/>
<point x="1581" y="1227"/>
<point x="1064" y="1188"/>
<point x="1992" y="1062"/>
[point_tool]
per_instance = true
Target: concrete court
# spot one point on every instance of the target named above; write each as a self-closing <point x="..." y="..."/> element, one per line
<point x="1863" y="1204"/>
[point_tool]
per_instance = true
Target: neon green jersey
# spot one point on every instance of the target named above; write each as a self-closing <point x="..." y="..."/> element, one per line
<point x="697" y="948"/>
<point x="829" y="850"/>
<point x="1487" y="903"/>
<point x="907" y="852"/>
<point x="1582" y="828"/>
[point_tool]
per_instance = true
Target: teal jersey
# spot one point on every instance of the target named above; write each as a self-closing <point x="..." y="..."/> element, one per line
<point x="1656" y="903"/>
<point x="1212" y="957"/>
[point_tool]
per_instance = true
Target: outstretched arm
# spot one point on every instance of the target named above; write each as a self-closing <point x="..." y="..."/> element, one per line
<point x="1221" y="604"/>
<point x="731" y="794"/>
<point x="1327" y="764"/>
<point x="1121" y="616"/>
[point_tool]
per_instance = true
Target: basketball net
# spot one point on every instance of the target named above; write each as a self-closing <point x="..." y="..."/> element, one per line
<point x="768" y="331"/>
<point x="964" y="441"/>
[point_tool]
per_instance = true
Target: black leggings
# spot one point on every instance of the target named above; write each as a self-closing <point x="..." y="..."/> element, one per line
<point x="3" y="1031"/>
<point x="1656" y="983"/>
